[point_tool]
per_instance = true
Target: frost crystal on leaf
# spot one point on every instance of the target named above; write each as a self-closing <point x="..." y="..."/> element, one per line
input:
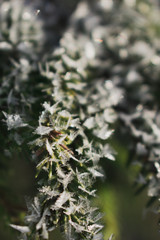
<point x="14" y="121"/>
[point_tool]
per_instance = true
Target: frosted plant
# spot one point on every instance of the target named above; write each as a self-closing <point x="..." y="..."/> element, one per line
<point x="19" y="35"/>
<point x="69" y="149"/>
<point x="65" y="177"/>
<point x="80" y="117"/>
<point x="128" y="55"/>
<point x="101" y="72"/>
<point x="19" y="49"/>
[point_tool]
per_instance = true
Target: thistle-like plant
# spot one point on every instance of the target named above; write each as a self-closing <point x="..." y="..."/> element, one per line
<point x="101" y="72"/>
<point x="66" y="170"/>
<point x="66" y="175"/>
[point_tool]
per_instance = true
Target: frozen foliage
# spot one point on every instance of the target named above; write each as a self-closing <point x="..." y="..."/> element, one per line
<point x="14" y="121"/>
<point x="20" y="46"/>
<point x="104" y="71"/>
<point x="16" y="27"/>
<point x="66" y="177"/>
<point x="70" y="172"/>
<point x="129" y="57"/>
<point x="133" y="48"/>
<point x="122" y="41"/>
<point x="20" y="33"/>
<point x="18" y="38"/>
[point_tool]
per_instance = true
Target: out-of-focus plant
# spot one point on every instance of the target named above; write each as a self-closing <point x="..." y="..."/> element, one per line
<point x="71" y="75"/>
<point x="128" y="56"/>
<point x="19" y="49"/>
<point x="133" y="51"/>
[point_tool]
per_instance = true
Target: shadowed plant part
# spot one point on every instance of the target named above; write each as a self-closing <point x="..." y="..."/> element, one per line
<point x="65" y="178"/>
